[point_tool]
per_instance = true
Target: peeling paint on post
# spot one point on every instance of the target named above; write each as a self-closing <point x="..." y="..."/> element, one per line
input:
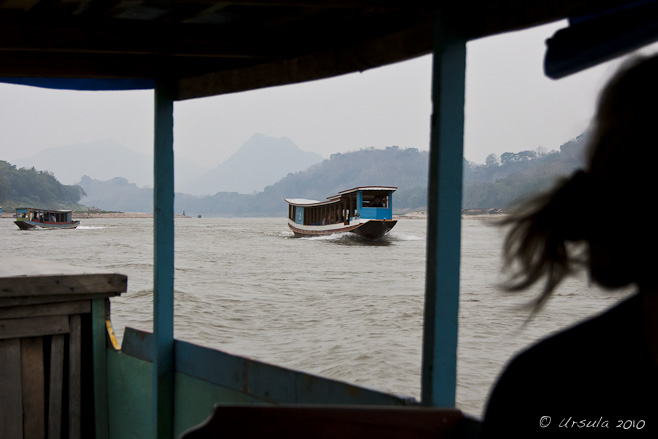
<point x="163" y="267"/>
<point x="439" y="369"/>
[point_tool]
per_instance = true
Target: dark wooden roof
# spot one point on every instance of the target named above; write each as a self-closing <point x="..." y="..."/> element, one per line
<point x="211" y="47"/>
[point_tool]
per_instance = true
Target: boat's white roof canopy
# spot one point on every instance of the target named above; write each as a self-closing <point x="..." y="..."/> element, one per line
<point x="302" y="202"/>
<point x="368" y="188"/>
<point x="44" y="210"/>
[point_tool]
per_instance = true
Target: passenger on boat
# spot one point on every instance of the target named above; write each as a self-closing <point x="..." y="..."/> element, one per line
<point x="600" y="376"/>
<point x="377" y="202"/>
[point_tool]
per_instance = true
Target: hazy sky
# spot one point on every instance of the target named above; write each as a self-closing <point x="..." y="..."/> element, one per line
<point x="510" y="106"/>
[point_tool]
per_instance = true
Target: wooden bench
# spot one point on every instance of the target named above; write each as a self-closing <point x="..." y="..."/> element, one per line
<point x="332" y="422"/>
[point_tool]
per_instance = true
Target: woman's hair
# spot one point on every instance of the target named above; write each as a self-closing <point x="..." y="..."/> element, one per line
<point x="594" y="205"/>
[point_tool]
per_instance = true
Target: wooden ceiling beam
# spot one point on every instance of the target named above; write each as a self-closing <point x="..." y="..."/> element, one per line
<point x="192" y="40"/>
<point x="91" y="66"/>
<point x="361" y="56"/>
<point x="138" y="39"/>
<point x="327" y="4"/>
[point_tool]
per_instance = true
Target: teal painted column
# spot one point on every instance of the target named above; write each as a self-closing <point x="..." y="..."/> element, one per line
<point x="439" y="370"/>
<point x="163" y="266"/>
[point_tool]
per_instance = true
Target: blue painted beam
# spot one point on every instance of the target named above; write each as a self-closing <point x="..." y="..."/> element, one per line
<point x="439" y="369"/>
<point x="255" y="380"/>
<point x="163" y="267"/>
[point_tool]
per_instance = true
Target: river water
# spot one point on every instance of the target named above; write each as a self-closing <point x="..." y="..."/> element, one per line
<point x="334" y="306"/>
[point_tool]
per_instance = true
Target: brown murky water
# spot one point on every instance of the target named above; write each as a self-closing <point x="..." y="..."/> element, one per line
<point x="334" y="306"/>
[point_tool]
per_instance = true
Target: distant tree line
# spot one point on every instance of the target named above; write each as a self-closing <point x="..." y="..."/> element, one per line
<point x="32" y="188"/>
<point x="504" y="180"/>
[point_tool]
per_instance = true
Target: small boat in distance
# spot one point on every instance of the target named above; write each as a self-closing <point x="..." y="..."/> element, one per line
<point x="366" y="211"/>
<point x="28" y="218"/>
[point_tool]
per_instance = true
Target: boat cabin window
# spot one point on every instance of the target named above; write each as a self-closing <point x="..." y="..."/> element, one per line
<point x="375" y="199"/>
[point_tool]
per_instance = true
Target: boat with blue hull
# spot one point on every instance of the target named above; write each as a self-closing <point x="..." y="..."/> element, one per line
<point x="366" y="211"/>
<point x="29" y="218"/>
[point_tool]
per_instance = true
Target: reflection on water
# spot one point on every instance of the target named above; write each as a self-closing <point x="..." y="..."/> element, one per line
<point x="336" y="305"/>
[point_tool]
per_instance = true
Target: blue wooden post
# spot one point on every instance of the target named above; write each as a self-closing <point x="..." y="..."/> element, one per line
<point x="439" y="370"/>
<point x="163" y="267"/>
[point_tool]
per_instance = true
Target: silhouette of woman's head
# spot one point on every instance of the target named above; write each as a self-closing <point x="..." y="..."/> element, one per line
<point x="604" y="205"/>
<point x="622" y="163"/>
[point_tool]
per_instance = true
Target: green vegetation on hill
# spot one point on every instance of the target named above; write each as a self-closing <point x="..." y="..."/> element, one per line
<point x="32" y="188"/>
<point x="503" y="180"/>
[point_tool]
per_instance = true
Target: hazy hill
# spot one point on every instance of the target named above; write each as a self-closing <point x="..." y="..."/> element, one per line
<point x="102" y="160"/>
<point x="406" y="169"/>
<point x="497" y="184"/>
<point x="116" y="194"/>
<point x="260" y="161"/>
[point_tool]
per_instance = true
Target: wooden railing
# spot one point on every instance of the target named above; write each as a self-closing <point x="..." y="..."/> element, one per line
<point x="48" y="314"/>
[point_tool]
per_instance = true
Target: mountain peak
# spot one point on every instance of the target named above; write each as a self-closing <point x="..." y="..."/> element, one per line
<point x="261" y="160"/>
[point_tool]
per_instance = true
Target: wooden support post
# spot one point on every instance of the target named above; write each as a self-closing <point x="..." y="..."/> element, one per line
<point x="163" y="268"/>
<point x="439" y="369"/>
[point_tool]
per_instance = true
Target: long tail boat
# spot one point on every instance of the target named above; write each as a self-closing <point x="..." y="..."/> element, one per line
<point x="29" y="218"/>
<point x="366" y="211"/>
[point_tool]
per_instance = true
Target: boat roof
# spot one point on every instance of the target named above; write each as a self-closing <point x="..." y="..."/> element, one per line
<point x="44" y="210"/>
<point x="368" y="188"/>
<point x="212" y="47"/>
<point x="302" y="202"/>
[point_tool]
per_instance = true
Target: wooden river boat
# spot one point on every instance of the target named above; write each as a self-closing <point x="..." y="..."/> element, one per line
<point x="29" y="218"/>
<point x="366" y="211"/>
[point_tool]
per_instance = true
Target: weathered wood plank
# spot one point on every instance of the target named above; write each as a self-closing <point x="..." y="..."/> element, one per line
<point x="75" y="376"/>
<point x="56" y="385"/>
<point x="33" y="327"/>
<point x="32" y="380"/>
<point x="22" y="286"/>
<point x="11" y="402"/>
<point x="49" y="309"/>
